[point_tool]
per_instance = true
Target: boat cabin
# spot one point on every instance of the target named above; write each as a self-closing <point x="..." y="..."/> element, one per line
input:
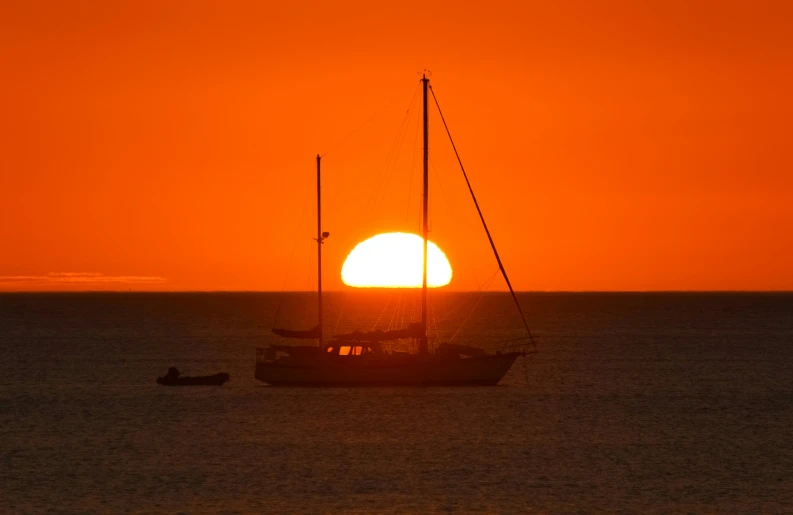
<point x="353" y="349"/>
<point x="343" y="349"/>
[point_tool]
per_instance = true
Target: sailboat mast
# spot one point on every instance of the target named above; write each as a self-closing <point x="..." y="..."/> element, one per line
<point x="319" y="254"/>
<point x="423" y="341"/>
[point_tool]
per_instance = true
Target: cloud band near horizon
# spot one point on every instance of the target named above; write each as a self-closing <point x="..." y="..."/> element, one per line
<point x="78" y="278"/>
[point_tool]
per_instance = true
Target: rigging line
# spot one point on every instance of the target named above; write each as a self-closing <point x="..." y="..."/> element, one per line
<point x="393" y="314"/>
<point x="391" y="153"/>
<point x="401" y="322"/>
<point x="476" y="304"/>
<point x="412" y="170"/>
<point x="484" y="224"/>
<point x="387" y="302"/>
<point x="401" y="131"/>
<point x="462" y="302"/>
<point x="435" y="325"/>
<point x="291" y="261"/>
<point x="309" y="305"/>
<point x="437" y="180"/>
<point x="338" y="319"/>
<point x="394" y="157"/>
<point x="399" y="311"/>
<point x="404" y="311"/>
<point x="397" y="318"/>
<point x="459" y="304"/>
<point x="378" y="113"/>
<point x="391" y="162"/>
<point x="398" y="314"/>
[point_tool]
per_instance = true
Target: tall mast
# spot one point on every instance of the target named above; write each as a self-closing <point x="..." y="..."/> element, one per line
<point x="319" y="254"/>
<point x="423" y="341"/>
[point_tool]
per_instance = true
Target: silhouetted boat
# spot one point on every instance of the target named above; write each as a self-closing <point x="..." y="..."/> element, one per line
<point x="174" y="378"/>
<point x="359" y="359"/>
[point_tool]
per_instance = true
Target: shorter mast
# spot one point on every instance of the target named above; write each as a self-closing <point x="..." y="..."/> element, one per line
<point x="316" y="332"/>
<point x="319" y="255"/>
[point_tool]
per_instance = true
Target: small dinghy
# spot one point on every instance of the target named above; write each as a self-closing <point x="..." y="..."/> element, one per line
<point x="174" y="378"/>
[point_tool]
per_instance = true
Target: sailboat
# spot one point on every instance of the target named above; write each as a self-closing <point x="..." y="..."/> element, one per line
<point x="360" y="358"/>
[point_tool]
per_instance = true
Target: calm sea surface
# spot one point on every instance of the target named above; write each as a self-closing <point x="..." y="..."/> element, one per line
<point x="636" y="403"/>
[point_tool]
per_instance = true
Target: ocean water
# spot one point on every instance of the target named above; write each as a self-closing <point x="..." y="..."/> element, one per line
<point x="635" y="403"/>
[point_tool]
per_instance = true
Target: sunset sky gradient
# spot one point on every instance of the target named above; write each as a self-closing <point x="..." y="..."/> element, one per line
<point x="615" y="145"/>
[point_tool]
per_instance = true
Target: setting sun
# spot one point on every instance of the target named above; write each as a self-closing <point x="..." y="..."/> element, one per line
<point x="394" y="260"/>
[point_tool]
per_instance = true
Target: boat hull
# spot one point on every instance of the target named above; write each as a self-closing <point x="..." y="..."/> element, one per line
<point x="473" y="371"/>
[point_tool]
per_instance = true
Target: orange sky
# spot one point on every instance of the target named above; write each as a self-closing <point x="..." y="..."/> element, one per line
<point x="619" y="146"/>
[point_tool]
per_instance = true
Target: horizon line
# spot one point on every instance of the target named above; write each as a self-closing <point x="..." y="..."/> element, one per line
<point x="393" y="289"/>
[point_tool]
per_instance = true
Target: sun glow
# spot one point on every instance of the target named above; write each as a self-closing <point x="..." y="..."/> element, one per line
<point x="395" y="260"/>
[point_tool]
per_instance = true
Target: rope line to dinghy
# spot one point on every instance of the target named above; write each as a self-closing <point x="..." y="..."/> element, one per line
<point x="484" y="224"/>
<point x="526" y="365"/>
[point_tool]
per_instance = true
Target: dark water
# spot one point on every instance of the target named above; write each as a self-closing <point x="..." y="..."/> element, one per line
<point x="636" y="403"/>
